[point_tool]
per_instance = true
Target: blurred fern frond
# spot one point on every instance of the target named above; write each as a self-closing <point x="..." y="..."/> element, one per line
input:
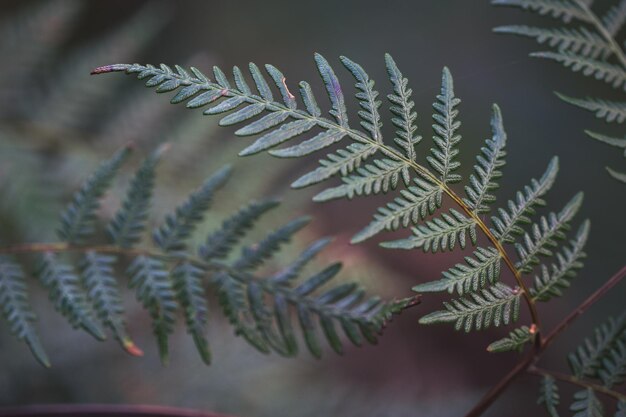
<point x="82" y="273"/>
<point x="368" y="165"/>
<point x="587" y="42"/>
<point x="598" y="367"/>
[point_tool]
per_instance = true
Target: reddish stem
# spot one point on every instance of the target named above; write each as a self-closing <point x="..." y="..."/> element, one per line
<point x="533" y="356"/>
<point x="102" y="410"/>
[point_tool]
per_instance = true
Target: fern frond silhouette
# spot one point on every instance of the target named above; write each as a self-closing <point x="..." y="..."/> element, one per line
<point x="171" y="276"/>
<point x="585" y="43"/>
<point x="369" y="165"/>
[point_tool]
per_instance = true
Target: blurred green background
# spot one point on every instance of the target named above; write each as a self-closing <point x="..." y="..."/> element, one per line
<point x="57" y="122"/>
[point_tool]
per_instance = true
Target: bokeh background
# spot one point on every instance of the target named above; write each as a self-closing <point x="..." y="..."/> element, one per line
<point x="57" y="122"/>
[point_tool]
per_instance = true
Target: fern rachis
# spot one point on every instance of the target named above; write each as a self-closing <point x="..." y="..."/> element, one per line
<point x="369" y="165"/>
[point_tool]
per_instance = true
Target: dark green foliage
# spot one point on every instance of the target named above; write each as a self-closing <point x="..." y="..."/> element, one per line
<point x="587" y="43"/>
<point x="16" y="307"/>
<point x="368" y="165"/>
<point x="169" y="278"/>
<point x="77" y="222"/>
<point x="599" y="365"/>
<point x="516" y="340"/>
<point x="549" y="395"/>
<point x="67" y="294"/>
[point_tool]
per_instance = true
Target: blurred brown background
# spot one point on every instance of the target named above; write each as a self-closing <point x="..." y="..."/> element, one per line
<point x="56" y="122"/>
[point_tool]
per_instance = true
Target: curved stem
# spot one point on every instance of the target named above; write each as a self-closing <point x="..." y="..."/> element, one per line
<point x="533" y="356"/>
<point x="359" y="136"/>
<point x="599" y="26"/>
<point x="533" y="370"/>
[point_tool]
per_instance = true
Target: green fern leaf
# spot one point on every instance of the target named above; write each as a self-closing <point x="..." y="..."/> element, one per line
<point x="482" y="182"/>
<point x="367" y="97"/>
<point x="187" y="280"/>
<point x="601" y="70"/>
<point x="565" y="10"/>
<point x="441" y="233"/>
<point x="130" y="221"/>
<point x="620" y="176"/>
<point x="381" y="176"/>
<point x="493" y="306"/>
<point x="155" y="290"/>
<point x="292" y="271"/>
<point x="507" y="223"/>
<point x="67" y="294"/>
<point x="402" y="107"/>
<point x="586" y="404"/>
<point x="611" y="111"/>
<point x="549" y="395"/>
<point x="587" y="358"/>
<point x="445" y="127"/>
<point x="617" y="142"/>
<point x="335" y="94"/>
<point x="581" y="41"/>
<point x="481" y="270"/>
<point x="220" y="243"/>
<point x="179" y="225"/>
<point x="97" y="276"/>
<point x="612" y="370"/>
<point x="77" y="221"/>
<point x="544" y="235"/>
<point x="341" y="161"/>
<point x="516" y="340"/>
<point x="16" y="308"/>
<point x="253" y="256"/>
<point x="415" y="203"/>
<point x="614" y="18"/>
<point x="552" y="281"/>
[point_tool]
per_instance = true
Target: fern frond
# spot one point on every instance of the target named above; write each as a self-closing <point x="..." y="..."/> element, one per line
<point x="415" y="203"/>
<point x="342" y="161"/>
<point x="293" y="270"/>
<point x="481" y="269"/>
<point x="587" y="358"/>
<point x="620" y="176"/>
<point x="516" y="340"/>
<point x="129" y="222"/>
<point x="402" y="107"/>
<point x="611" y="111"/>
<point x="612" y="370"/>
<point x="381" y="176"/>
<point x="220" y="243"/>
<point x="580" y="41"/>
<point x="545" y="234"/>
<point x="507" y="223"/>
<point x="493" y="306"/>
<point x="97" y="276"/>
<point x="549" y="395"/>
<point x="367" y="97"/>
<point x="441" y="233"/>
<point x="552" y="281"/>
<point x="77" y="221"/>
<point x="188" y="283"/>
<point x="368" y="165"/>
<point x="179" y="225"/>
<point x="600" y="70"/>
<point x="614" y="18"/>
<point x="565" y="10"/>
<point x="586" y="404"/>
<point x="67" y="294"/>
<point x="16" y="308"/>
<point x="446" y="140"/>
<point x="617" y="142"/>
<point x="482" y="182"/>
<point x="155" y="290"/>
